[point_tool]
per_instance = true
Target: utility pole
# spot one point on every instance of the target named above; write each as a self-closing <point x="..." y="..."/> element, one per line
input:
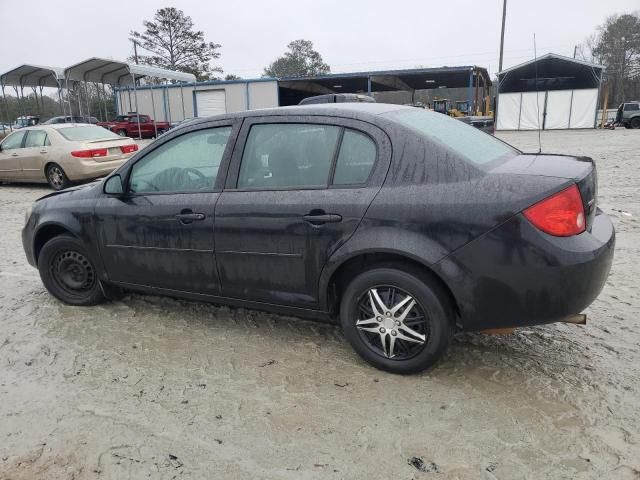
<point x="135" y="50"/>
<point x="504" y="17"/>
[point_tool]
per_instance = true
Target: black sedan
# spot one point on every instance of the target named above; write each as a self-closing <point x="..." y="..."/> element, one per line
<point x="402" y="224"/>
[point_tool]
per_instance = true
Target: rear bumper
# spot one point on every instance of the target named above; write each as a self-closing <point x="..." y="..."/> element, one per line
<point x="89" y="169"/>
<point x="517" y="275"/>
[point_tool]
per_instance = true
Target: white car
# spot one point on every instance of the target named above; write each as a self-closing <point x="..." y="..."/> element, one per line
<point x="62" y="154"/>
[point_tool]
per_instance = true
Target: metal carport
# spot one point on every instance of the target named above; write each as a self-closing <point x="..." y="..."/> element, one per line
<point x="34" y="76"/>
<point x="118" y="74"/>
<point x="551" y="92"/>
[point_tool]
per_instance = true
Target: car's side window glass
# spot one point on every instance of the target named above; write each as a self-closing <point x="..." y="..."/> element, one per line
<point x="287" y="155"/>
<point x="188" y="163"/>
<point x="36" y="138"/>
<point x="356" y="159"/>
<point x="632" y="107"/>
<point x="13" y="141"/>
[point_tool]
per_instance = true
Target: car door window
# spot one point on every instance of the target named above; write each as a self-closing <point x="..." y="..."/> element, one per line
<point x="188" y="163"/>
<point x="288" y="155"/>
<point x="355" y="160"/>
<point x="631" y="107"/>
<point x="13" y="141"/>
<point x="36" y="138"/>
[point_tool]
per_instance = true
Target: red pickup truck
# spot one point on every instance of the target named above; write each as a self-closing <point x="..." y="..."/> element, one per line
<point x="127" y="126"/>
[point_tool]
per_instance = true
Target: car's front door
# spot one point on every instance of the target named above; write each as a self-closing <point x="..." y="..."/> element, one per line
<point x="34" y="155"/>
<point x="10" y="153"/>
<point x="295" y="192"/>
<point x="159" y="233"/>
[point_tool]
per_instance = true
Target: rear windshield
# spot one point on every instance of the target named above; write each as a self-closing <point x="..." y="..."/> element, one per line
<point x="86" y="133"/>
<point x="472" y="144"/>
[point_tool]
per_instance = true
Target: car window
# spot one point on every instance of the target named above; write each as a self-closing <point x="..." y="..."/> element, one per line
<point x="86" y="133"/>
<point x="287" y="155"/>
<point x="630" y="107"/>
<point x="188" y="163"/>
<point x="470" y="143"/>
<point x="356" y="159"/>
<point x="36" y="138"/>
<point x="13" y="141"/>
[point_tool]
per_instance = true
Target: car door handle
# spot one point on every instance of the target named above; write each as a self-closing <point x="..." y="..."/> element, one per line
<point x="189" y="217"/>
<point x="320" y="218"/>
<point x="14" y="154"/>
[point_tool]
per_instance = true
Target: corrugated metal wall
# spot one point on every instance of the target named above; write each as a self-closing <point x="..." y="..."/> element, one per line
<point x="169" y="104"/>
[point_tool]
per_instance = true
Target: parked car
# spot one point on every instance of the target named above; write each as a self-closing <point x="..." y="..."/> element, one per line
<point x="62" y="154"/>
<point x="401" y="223"/>
<point x="26" y="121"/>
<point x="480" y="122"/>
<point x="337" y="98"/>
<point x="629" y="114"/>
<point x="127" y="126"/>
<point x="69" y="119"/>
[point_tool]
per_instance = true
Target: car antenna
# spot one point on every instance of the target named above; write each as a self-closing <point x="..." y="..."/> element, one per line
<point x="535" y="63"/>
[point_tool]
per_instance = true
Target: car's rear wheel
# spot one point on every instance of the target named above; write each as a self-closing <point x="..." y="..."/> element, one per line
<point x="56" y="178"/>
<point x="396" y="319"/>
<point x="122" y="132"/>
<point x="635" y="122"/>
<point x="68" y="273"/>
<point x="161" y="131"/>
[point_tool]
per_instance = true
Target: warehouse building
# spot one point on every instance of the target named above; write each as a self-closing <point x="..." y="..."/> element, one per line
<point x="552" y="92"/>
<point x="175" y="102"/>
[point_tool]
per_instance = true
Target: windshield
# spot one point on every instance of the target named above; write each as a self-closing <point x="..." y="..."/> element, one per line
<point x="87" y="133"/>
<point x="472" y="144"/>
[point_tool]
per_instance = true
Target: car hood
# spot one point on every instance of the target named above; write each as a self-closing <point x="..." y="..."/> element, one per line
<point x="79" y="191"/>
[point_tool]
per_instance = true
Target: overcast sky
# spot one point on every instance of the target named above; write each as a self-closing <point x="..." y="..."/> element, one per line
<point x="350" y="35"/>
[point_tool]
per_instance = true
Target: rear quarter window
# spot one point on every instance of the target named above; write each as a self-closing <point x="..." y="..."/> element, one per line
<point x="471" y="144"/>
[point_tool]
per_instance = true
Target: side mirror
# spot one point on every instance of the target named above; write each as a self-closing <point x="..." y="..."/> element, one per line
<point x="113" y="185"/>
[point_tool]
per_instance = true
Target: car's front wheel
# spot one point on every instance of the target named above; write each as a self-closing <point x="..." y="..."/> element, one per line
<point x="68" y="273"/>
<point x="396" y="319"/>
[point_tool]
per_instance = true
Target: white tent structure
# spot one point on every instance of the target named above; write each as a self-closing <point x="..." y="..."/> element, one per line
<point x="121" y="74"/>
<point x="551" y="92"/>
<point x="35" y="76"/>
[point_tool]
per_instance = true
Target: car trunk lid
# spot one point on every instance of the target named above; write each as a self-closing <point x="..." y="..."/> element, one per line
<point x="582" y="170"/>
<point x="113" y="147"/>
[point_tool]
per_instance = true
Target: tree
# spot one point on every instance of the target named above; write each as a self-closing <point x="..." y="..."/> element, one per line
<point x="301" y="60"/>
<point x="616" y="45"/>
<point x="231" y="76"/>
<point x="173" y="44"/>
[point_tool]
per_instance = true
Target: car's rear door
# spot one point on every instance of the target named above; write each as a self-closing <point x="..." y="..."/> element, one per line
<point x="297" y="189"/>
<point x="160" y="233"/>
<point x="10" y="153"/>
<point x="35" y="154"/>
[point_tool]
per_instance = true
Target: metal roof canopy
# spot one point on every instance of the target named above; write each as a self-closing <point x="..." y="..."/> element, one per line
<point x="553" y="72"/>
<point x="33" y="76"/>
<point x="112" y="72"/>
<point x="382" y="81"/>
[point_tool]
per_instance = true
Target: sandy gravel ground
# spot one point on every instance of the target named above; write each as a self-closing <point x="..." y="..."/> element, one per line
<point x="150" y="387"/>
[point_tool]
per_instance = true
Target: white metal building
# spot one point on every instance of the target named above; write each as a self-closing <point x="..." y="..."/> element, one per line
<point x="552" y="92"/>
<point x="174" y="103"/>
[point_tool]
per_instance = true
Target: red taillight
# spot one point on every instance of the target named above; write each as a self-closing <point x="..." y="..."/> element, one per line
<point x="129" y="148"/>
<point x="561" y="214"/>
<point x="98" y="152"/>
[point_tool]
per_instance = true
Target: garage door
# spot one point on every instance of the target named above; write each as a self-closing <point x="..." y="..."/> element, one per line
<point x="211" y="102"/>
<point x="558" y="109"/>
<point x="509" y="111"/>
<point x="583" y="109"/>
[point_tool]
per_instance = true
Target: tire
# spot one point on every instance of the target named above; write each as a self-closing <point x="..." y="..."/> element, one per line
<point x="68" y="272"/>
<point x="56" y="178"/>
<point x="393" y="284"/>
<point x="161" y="131"/>
<point x="122" y="132"/>
<point x="635" y="122"/>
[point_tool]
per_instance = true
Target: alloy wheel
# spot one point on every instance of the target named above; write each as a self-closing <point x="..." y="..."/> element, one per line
<point x="56" y="177"/>
<point x="392" y="323"/>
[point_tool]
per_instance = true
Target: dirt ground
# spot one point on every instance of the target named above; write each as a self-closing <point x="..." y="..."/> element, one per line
<point x="150" y="387"/>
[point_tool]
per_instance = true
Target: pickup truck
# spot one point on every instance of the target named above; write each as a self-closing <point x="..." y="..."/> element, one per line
<point x="629" y="114"/>
<point x="127" y="126"/>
